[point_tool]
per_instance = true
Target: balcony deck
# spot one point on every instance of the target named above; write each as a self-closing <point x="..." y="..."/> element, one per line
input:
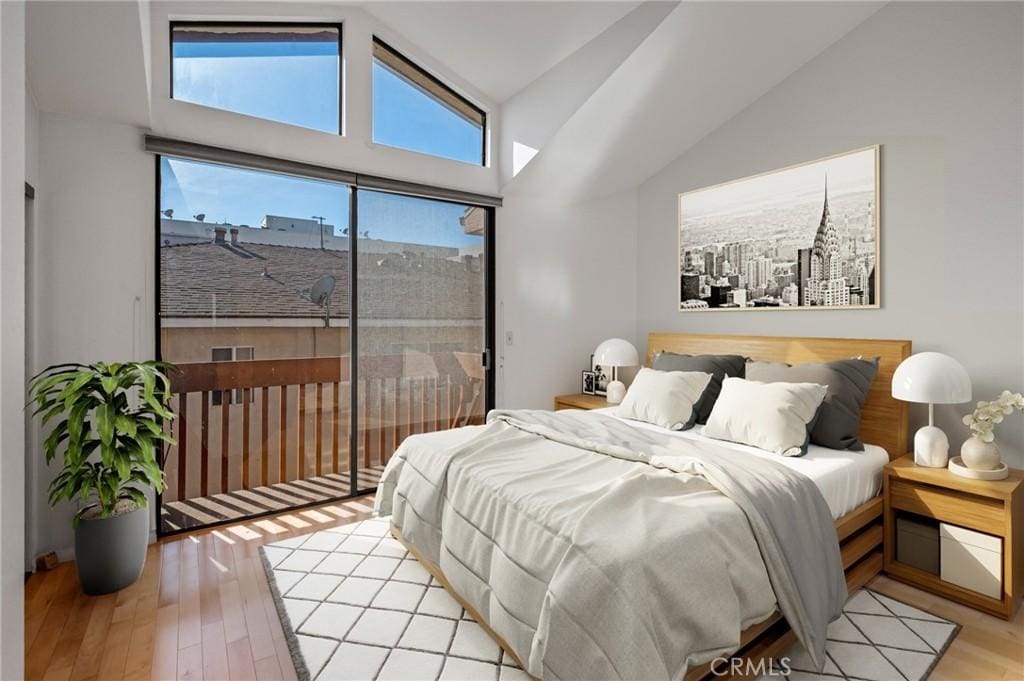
<point x="257" y="436"/>
<point x="243" y="503"/>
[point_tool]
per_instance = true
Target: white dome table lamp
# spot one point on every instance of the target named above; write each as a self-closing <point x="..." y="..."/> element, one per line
<point x="931" y="378"/>
<point x="616" y="352"/>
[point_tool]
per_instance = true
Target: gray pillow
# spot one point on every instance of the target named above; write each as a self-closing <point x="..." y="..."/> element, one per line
<point x="719" y="366"/>
<point x="848" y="381"/>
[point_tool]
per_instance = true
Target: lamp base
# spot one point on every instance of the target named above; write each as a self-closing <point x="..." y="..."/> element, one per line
<point x="615" y="391"/>
<point x="931" y="447"/>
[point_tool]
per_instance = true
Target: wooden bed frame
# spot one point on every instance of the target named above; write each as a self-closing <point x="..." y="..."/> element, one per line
<point x="884" y="422"/>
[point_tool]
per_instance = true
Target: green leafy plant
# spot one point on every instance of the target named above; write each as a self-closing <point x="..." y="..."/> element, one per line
<point x="114" y="410"/>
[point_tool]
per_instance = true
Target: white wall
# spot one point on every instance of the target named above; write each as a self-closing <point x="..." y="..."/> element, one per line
<point x="566" y="278"/>
<point x="93" y="286"/>
<point x="12" y="338"/>
<point x="939" y="86"/>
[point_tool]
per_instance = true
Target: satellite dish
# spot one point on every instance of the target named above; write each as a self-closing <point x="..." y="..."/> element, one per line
<point x="169" y="213"/>
<point x="321" y="292"/>
<point x="200" y="217"/>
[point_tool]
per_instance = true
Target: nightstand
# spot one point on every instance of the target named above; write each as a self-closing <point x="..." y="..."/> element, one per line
<point x="581" y="401"/>
<point x="978" y="528"/>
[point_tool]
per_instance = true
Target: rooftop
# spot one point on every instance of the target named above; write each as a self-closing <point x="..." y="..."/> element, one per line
<point x="207" y="280"/>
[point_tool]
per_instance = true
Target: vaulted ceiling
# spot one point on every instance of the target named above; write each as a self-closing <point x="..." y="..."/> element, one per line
<point x="500" y="47"/>
<point x="676" y="75"/>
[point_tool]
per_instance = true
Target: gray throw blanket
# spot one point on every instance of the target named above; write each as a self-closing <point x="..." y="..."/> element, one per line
<point x="598" y="550"/>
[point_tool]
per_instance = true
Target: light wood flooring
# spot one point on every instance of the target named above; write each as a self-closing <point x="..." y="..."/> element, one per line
<point x="203" y="610"/>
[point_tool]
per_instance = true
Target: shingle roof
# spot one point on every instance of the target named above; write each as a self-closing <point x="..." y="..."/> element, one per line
<point x="256" y="280"/>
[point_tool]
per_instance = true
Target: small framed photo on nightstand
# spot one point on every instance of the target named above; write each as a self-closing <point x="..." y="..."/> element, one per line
<point x="589" y="382"/>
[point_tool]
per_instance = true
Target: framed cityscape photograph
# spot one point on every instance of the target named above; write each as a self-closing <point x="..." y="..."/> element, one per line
<point x="589" y="380"/>
<point x="803" y="237"/>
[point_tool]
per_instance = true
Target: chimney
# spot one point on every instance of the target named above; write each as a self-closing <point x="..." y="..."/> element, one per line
<point x="218" y="234"/>
<point x="234" y="236"/>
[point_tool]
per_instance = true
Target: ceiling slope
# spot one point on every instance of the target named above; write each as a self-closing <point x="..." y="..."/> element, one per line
<point x="499" y="46"/>
<point x="531" y="117"/>
<point x="701" y="66"/>
<point x="89" y="58"/>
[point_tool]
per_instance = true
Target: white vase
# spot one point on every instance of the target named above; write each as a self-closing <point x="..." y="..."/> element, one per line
<point x="979" y="455"/>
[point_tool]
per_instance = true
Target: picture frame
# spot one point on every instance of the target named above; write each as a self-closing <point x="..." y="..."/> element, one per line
<point x="802" y="237"/>
<point x="602" y="377"/>
<point x="589" y="381"/>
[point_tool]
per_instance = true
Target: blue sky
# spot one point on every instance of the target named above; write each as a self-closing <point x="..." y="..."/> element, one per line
<point x="243" y="197"/>
<point x="297" y="83"/>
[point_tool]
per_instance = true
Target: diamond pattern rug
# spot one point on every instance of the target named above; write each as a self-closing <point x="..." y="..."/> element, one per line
<point x="355" y="605"/>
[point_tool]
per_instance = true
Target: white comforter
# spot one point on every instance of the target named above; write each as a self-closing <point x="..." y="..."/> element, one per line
<point x="598" y="551"/>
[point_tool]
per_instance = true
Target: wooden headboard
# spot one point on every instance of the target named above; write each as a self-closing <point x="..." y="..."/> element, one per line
<point x="884" y="421"/>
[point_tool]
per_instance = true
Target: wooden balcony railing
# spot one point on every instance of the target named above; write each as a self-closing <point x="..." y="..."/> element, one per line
<point x="254" y="423"/>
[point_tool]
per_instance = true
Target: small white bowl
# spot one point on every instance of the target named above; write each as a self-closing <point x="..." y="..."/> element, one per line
<point x="956" y="465"/>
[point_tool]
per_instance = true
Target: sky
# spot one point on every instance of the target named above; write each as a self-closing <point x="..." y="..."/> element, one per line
<point x="846" y="173"/>
<point x="298" y="84"/>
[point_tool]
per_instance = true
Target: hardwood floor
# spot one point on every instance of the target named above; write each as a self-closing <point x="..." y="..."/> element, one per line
<point x="202" y="610"/>
<point x="986" y="649"/>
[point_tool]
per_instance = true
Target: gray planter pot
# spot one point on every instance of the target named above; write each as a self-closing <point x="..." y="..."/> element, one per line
<point x="111" y="552"/>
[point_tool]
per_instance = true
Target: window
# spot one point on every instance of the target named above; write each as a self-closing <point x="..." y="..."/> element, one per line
<point x="414" y="110"/>
<point x="372" y="312"/>
<point x="282" y="72"/>
<point x="236" y="354"/>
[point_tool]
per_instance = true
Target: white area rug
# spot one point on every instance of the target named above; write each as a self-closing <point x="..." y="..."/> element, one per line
<point x="356" y="606"/>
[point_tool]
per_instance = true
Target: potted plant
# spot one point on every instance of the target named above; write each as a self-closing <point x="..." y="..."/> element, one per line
<point x="110" y="429"/>
<point x="980" y="451"/>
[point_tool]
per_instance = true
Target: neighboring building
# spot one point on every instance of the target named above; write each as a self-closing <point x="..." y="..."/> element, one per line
<point x="690" y="282"/>
<point x="803" y="271"/>
<point x="719" y="296"/>
<point x="791" y="294"/>
<point x="174" y="232"/>
<point x="709" y="264"/>
<point x="826" y="284"/>
<point x="226" y="293"/>
<point x="759" y="272"/>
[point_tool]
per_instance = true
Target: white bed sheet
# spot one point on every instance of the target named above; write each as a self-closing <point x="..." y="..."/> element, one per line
<point x="846" y="479"/>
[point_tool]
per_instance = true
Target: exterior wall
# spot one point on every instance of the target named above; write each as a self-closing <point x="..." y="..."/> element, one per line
<point x="195" y="344"/>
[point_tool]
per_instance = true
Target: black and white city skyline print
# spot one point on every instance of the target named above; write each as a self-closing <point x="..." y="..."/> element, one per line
<point x="800" y="237"/>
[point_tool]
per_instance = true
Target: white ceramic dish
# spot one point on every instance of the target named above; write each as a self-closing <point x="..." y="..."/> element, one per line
<point x="956" y="465"/>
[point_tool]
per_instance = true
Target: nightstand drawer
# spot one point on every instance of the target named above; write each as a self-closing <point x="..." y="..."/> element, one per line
<point x="978" y="513"/>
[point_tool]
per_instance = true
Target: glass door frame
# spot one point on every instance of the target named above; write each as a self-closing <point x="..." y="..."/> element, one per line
<point x="488" y="353"/>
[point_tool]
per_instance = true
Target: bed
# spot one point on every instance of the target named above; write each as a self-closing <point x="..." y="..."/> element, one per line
<point x="848" y="483"/>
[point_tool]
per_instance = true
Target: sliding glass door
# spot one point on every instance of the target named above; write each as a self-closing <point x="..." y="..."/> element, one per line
<point x="420" y="321"/>
<point x="269" y="285"/>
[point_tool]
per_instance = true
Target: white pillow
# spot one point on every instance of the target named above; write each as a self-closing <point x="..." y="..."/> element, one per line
<point x="776" y="417"/>
<point x="664" y="398"/>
